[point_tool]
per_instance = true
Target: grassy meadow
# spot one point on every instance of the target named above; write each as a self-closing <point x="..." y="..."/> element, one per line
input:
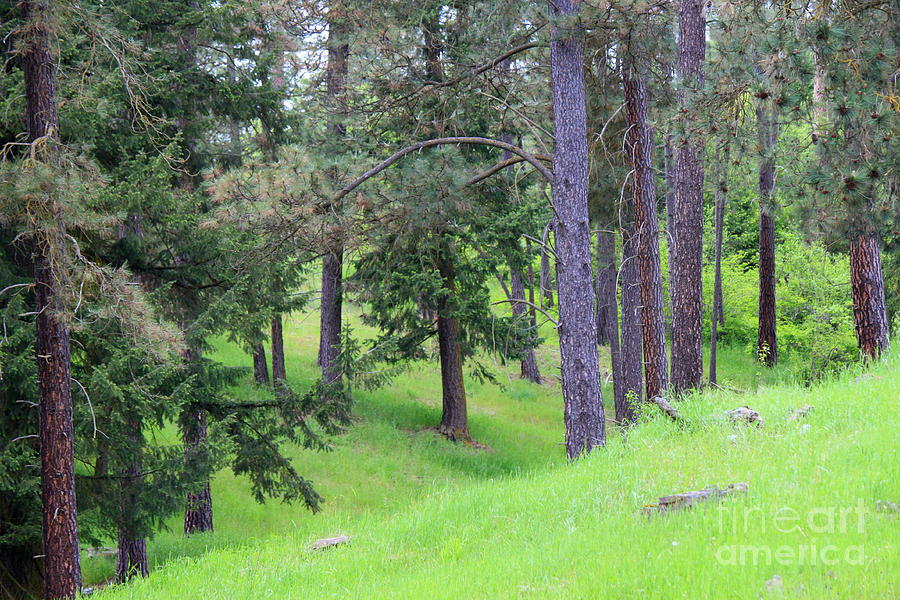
<point x="432" y="519"/>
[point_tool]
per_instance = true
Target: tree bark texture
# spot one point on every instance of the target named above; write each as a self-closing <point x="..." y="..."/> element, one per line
<point x="454" y="418"/>
<point x="867" y="288"/>
<point x="606" y="286"/>
<point x="671" y="248"/>
<point x="585" y="424"/>
<point x="529" y="368"/>
<point x="62" y="569"/>
<point x="198" y="515"/>
<point x="131" y="559"/>
<point x="767" y="340"/>
<point x="279" y="371"/>
<point x="721" y="197"/>
<point x="686" y="271"/>
<point x="631" y="362"/>
<point x="330" y="314"/>
<point x="260" y="366"/>
<point x="639" y="146"/>
<point x="546" y="281"/>
<point x="332" y="264"/>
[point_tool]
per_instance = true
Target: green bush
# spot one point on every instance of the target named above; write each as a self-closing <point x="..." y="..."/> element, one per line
<point x="814" y="309"/>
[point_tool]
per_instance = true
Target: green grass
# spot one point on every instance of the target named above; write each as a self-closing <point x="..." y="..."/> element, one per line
<point x="433" y="519"/>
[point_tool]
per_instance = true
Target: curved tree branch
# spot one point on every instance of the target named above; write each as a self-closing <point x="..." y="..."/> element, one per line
<point x="506" y="163"/>
<point x="532" y="160"/>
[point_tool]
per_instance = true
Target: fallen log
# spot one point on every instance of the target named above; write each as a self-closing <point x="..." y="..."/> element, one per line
<point x="688" y="499"/>
<point x="745" y="414"/>
<point x="329" y="542"/>
<point x="667" y="408"/>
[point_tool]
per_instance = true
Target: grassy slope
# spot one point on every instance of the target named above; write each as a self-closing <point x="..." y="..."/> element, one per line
<point x="433" y="519"/>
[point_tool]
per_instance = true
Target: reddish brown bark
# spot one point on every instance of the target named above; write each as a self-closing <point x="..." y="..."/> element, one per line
<point x="585" y="425"/>
<point x="62" y="571"/>
<point x="867" y="288"/>
<point x="639" y="146"/>
<point x="686" y="271"/>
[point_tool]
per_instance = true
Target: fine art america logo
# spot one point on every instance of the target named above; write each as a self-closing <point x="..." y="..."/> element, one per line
<point x="813" y="527"/>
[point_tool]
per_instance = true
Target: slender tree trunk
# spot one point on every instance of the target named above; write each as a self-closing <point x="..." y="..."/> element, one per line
<point x="671" y="246"/>
<point x="606" y="295"/>
<point x="198" y="515"/>
<point x="606" y="285"/>
<point x="585" y="424"/>
<point x="546" y="272"/>
<point x="867" y="288"/>
<point x="717" y="311"/>
<point x="639" y="145"/>
<point x="131" y="559"/>
<point x="331" y="314"/>
<point x="260" y="367"/>
<point x="332" y="263"/>
<point x="531" y="299"/>
<point x="767" y="340"/>
<point x="631" y="361"/>
<point x="529" y="367"/>
<point x="279" y="372"/>
<point x="686" y="272"/>
<point x="454" y="419"/>
<point x="62" y="570"/>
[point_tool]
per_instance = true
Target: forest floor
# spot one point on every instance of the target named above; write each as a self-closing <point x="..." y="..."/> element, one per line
<point x="429" y="518"/>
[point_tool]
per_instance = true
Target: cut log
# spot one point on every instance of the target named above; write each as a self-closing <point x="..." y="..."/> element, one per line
<point x="329" y="542"/>
<point x="688" y="499"/>
<point x="745" y="414"/>
<point x="667" y="408"/>
<point x="801" y="412"/>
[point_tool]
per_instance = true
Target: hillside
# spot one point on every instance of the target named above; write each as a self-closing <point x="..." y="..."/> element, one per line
<point x="432" y="519"/>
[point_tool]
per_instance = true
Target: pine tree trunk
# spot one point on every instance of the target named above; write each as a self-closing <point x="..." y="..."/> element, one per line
<point x="717" y="310"/>
<point x="529" y="367"/>
<point x="531" y="299"/>
<point x="330" y="316"/>
<point x="867" y="287"/>
<point x="671" y="247"/>
<point x="607" y="301"/>
<point x="454" y="420"/>
<point x="606" y="286"/>
<point x="131" y="559"/>
<point x="279" y="372"/>
<point x="62" y="570"/>
<point x="332" y="263"/>
<point x="686" y="271"/>
<point x="546" y="273"/>
<point x="585" y="424"/>
<point x="639" y="146"/>
<point x="260" y="367"/>
<point x="632" y="363"/>
<point x="198" y="512"/>
<point x="767" y="340"/>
